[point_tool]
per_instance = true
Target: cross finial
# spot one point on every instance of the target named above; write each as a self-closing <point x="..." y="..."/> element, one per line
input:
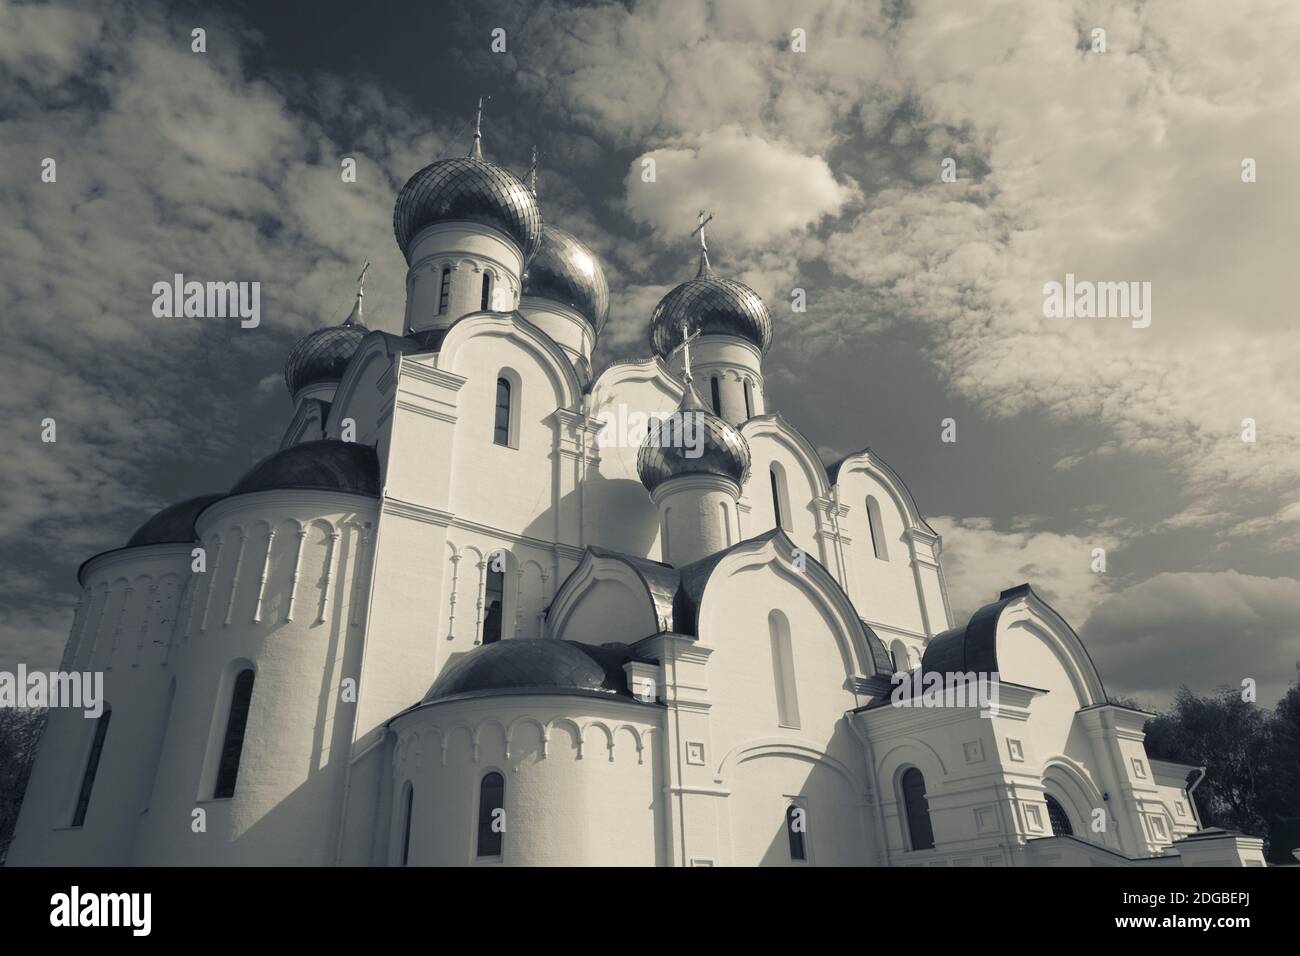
<point x="685" y="346"/>
<point x="704" y="220"/>
<point x="532" y="175"/>
<point x="356" y="314"/>
<point x="476" y="151"/>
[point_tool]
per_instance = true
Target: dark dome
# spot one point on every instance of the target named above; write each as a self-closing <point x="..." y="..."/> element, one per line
<point x="566" y="271"/>
<point x="322" y="356"/>
<point x="174" y="524"/>
<point x="531" y="666"/>
<point x="327" y="465"/>
<point x="712" y="305"/>
<point x="666" y="451"/>
<point x="468" y="189"/>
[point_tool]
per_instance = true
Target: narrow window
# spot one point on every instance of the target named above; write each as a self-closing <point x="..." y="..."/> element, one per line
<point x="778" y="490"/>
<point x="487" y="291"/>
<point x="717" y="398"/>
<point x="493" y="600"/>
<point x="877" y="528"/>
<point x="917" y="810"/>
<point x="787" y="698"/>
<point x="233" y="745"/>
<point x="749" y="400"/>
<point x="92" y="767"/>
<point x="796" y="825"/>
<point x="406" y="824"/>
<point x="1060" y="820"/>
<point x="898" y="652"/>
<point x="501" y="433"/>
<point x="444" y="291"/>
<point x="491" y="814"/>
<point x="158" y="744"/>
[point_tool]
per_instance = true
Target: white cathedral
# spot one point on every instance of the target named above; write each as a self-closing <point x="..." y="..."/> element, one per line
<point x="457" y="618"/>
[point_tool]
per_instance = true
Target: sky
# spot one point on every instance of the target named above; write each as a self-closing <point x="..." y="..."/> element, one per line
<point x="819" y="153"/>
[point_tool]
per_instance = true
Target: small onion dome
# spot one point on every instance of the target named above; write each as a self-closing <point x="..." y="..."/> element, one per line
<point x="705" y="445"/>
<point x="566" y="271"/>
<point x="711" y="305"/>
<point x="326" y="465"/>
<point x="535" y="666"/>
<point x="323" y="355"/>
<point x="467" y="189"/>
<point x="173" y="525"/>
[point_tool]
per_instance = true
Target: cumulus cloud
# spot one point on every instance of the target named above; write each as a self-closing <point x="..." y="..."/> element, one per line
<point x="1201" y="629"/>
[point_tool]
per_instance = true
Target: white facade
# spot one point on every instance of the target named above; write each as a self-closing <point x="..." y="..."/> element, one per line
<point x="759" y="649"/>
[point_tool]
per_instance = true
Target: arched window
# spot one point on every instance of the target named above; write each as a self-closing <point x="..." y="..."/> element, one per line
<point x="1060" y="820"/>
<point x="749" y="400"/>
<point x="494" y="597"/>
<point x="444" y="290"/>
<point x="898" y="653"/>
<point x="487" y="291"/>
<point x="717" y="397"/>
<point x="778" y="497"/>
<point x="917" y="810"/>
<point x="501" y="432"/>
<point x="787" y="697"/>
<point x="232" y="746"/>
<point x="796" y="825"/>
<point x="408" y="807"/>
<point x="877" y="528"/>
<point x="92" y="767"/>
<point x="491" y="814"/>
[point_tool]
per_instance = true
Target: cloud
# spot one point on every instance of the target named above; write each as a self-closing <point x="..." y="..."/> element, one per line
<point x="1199" y="629"/>
<point x="979" y="561"/>
<point x="759" y="191"/>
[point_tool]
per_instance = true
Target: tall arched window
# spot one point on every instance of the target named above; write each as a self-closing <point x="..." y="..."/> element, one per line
<point x="494" y="596"/>
<point x="898" y="654"/>
<point x="487" y="291"/>
<point x="407" y="808"/>
<point x="444" y="290"/>
<point x="501" y="431"/>
<point x="917" y="810"/>
<point x="92" y="767"/>
<point x="717" y="397"/>
<point x="779" y="499"/>
<point x="749" y="400"/>
<point x="877" y="528"/>
<point x="232" y="746"/>
<point x="491" y="814"/>
<point x="796" y="826"/>
<point x="787" y="697"/>
<point x="1059" y="819"/>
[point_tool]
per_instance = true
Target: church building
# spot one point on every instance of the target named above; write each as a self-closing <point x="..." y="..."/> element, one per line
<point x="463" y="616"/>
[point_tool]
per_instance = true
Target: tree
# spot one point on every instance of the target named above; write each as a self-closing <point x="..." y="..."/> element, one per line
<point x="20" y="732"/>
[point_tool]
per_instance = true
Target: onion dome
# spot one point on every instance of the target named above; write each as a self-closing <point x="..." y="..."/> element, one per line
<point x="711" y="305"/>
<point x="326" y="465"/>
<point x="322" y="356"/>
<point x="173" y="525"/>
<point x="691" y="441"/>
<point x="535" y="666"/>
<point x="566" y="271"/>
<point x="469" y="189"/>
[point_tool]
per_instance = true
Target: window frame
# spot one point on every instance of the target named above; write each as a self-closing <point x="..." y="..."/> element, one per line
<point x="222" y="764"/>
<point x="911" y="819"/>
<point x="90" y="768"/>
<point x="444" y="291"/>
<point x="479" y="821"/>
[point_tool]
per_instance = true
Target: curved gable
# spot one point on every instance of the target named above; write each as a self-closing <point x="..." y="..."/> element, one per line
<point x="868" y="462"/>
<point x="372" y="360"/>
<point x="515" y="327"/>
<point x="775" y="427"/>
<point x="613" y="597"/>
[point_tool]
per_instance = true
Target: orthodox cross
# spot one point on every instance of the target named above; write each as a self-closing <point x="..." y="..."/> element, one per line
<point x="532" y="174"/>
<point x="685" y="346"/>
<point x="476" y="151"/>
<point x="361" y="294"/>
<point x="704" y="249"/>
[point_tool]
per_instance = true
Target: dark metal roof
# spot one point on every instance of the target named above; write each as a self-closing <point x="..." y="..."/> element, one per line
<point x="174" y="524"/>
<point x="535" y="666"/>
<point x="322" y="356"/>
<point x="326" y="465"/>
<point x="468" y="189"/>
<point x="660" y="579"/>
<point x="566" y="271"/>
<point x="691" y="441"/>
<point x="712" y="305"/>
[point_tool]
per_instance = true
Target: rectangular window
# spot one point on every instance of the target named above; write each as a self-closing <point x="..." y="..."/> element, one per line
<point x="92" y="768"/>
<point x="444" y="292"/>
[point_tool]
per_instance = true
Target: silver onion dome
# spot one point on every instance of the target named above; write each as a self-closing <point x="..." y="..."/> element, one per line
<point x="691" y="441"/>
<point x="711" y="305"/>
<point x="566" y="271"/>
<point x="322" y="356"/>
<point x="467" y="189"/>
